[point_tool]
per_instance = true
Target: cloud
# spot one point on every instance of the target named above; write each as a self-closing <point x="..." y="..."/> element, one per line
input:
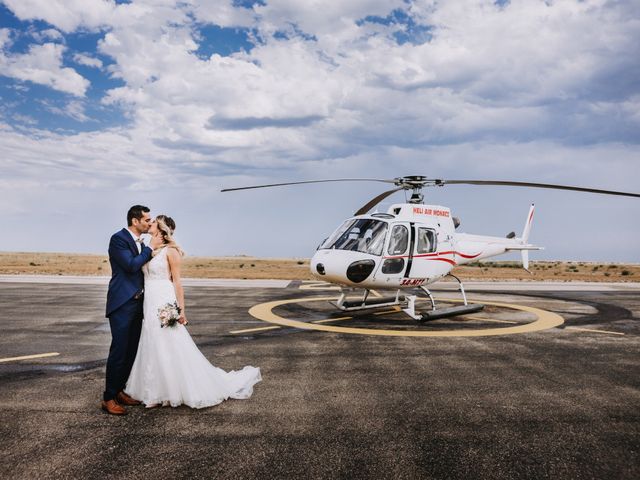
<point x="5" y="37"/>
<point x="43" y="65"/>
<point x="333" y="24"/>
<point x="527" y="90"/>
<point x="24" y="119"/>
<point x="73" y="109"/>
<point x="248" y="123"/>
<point x="488" y="71"/>
<point x="47" y="34"/>
<point x="223" y="13"/>
<point x="67" y="15"/>
<point x="87" y="60"/>
<point x="52" y="159"/>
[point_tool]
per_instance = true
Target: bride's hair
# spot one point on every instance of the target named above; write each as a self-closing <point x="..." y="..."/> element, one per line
<point x="167" y="226"/>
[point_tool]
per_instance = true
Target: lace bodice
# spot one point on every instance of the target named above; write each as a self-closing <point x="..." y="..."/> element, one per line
<point x="158" y="267"/>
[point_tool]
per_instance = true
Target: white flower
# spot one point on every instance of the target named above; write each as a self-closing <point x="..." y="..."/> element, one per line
<point x="169" y="314"/>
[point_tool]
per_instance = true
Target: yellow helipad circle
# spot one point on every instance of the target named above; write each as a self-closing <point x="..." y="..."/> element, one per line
<point x="544" y="321"/>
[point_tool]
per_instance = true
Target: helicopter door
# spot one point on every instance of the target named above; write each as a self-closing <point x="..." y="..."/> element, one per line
<point x="396" y="259"/>
<point x="431" y="255"/>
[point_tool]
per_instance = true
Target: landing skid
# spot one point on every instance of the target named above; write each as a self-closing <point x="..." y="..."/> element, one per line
<point x="449" y="312"/>
<point x="436" y="313"/>
<point x="408" y="302"/>
<point x="354" y="305"/>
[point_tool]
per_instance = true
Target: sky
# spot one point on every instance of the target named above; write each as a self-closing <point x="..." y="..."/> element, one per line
<point x="106" y="104"/>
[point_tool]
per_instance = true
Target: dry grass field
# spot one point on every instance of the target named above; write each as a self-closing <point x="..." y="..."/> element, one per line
<point x="298" y="269"/>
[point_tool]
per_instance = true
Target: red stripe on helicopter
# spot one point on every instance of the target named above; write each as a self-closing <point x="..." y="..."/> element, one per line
<point x="451" y="252"/>
<point x="430" y="256"/>
<point x="443" y="260"/>
<point x="468" y="256"/>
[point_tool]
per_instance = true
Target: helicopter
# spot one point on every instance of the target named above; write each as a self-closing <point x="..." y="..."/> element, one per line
<point x="411" y="246"/>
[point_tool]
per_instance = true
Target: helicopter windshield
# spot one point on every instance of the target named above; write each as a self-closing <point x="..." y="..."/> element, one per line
<point x="361" y="235"/>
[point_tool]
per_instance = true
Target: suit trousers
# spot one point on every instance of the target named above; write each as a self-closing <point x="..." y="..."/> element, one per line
<point x="126" y="325"/>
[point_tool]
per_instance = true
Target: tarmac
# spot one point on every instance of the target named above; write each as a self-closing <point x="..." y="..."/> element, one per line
<point x="480" y="396"/>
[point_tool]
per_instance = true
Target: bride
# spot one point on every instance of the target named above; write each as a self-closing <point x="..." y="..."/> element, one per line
<point x="169" y="369"/>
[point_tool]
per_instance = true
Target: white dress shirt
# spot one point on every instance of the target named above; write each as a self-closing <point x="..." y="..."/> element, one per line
<point x="137" y="240"/>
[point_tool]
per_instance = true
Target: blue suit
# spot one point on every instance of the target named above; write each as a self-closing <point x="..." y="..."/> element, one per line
<point x="124" y="308"/>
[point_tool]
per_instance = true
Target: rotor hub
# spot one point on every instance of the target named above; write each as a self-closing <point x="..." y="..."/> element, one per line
<point x="417" y="182"/>
<point x="416" y="196"/>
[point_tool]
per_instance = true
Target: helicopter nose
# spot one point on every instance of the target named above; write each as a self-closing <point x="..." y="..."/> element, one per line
<point x="343" y="267"/>
<point x="358" y="271"/>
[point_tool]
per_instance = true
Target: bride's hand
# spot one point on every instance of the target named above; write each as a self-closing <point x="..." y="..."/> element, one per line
<point x="183" y="320"/>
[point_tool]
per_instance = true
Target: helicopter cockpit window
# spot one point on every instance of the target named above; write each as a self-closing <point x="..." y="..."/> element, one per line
<point x="399" y="240"/>
<point x="362" y="235"/>
<point x="426" y="241"/>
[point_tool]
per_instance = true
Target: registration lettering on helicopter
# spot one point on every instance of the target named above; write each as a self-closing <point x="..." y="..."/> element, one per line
<point x="413" y="282"/>
<point x="430" y="211"/>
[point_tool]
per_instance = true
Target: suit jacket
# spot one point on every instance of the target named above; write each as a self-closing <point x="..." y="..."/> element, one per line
<point x="126" y="269"/>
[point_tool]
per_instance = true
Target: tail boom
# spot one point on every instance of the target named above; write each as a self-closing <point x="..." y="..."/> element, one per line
<point x="486" y="247"/>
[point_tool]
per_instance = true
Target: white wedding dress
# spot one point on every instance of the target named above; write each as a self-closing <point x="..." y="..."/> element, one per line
<point x="169" y="369"/>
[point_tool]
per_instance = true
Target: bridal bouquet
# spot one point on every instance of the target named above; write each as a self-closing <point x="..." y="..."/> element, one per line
<point x="169" y="314"/>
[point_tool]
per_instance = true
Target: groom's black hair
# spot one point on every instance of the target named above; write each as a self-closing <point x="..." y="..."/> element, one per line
<point x="136" y="212"/>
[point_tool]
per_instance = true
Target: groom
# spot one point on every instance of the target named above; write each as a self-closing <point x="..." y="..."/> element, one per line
<point x="127" y="255"/>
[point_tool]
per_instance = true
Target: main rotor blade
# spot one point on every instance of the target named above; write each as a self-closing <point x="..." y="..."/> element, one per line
<point x="365" y="208"/>
<point x="538" y="185"/>
<point x="309" y="181"/>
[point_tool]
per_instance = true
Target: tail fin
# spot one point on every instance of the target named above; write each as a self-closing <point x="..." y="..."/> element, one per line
<point x="525" y="238"/>
<point x="525" y="260"/>
<point x="522" y="243"/>
<point x="527" y="225"/>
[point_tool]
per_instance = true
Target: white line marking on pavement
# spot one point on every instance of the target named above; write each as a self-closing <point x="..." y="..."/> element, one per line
<point x="29" y="357"/>
<point x="594" y="331"/>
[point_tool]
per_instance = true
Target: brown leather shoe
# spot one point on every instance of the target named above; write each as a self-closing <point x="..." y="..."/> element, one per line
<point x="124" y="399"/>
<point x="112" y="407"/>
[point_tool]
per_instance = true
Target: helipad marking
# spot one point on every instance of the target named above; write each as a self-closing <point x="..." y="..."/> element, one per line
<point x="493" y="320"/>
<point x="595" y="331"/>
<point x="318" y="286"/>
<point x="395" y="310"/>
<point x="258" y="329"/>
<point x="328" y="320"/>
<point x="544" y="321"/>
<point x="29" y="357"/>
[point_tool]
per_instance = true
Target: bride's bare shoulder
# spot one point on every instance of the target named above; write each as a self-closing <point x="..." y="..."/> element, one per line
<point x="174" y="253"/>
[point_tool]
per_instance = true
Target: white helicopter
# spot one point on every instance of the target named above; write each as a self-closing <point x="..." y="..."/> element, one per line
<point x="411" y="246"/>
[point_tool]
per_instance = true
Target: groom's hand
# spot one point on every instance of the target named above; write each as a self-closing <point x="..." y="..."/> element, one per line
<point x="156" y="241"/>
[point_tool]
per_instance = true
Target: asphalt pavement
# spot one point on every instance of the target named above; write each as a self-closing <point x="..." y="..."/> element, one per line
<point x="560" y="402"/>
